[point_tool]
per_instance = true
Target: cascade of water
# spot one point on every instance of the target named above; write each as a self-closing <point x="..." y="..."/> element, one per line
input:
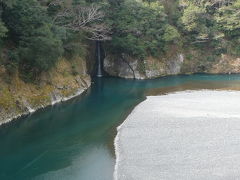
<point x="99" y="63"/>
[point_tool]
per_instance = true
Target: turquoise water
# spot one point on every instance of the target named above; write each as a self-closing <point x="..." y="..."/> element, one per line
<point x="74" y="140"/>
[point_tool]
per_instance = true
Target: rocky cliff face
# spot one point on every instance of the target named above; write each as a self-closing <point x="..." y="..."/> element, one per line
<point x="226" y="65"/>
<point x="66" y="80"/>
<point x="127" y="67"/>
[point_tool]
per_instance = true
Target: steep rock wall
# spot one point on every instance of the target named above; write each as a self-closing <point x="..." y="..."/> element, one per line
<point x="149" y="68"/>
<point x="66" y="80"/>
<point x="180" y="63"/>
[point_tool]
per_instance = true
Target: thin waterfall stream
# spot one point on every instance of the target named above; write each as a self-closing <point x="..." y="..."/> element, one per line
<point x="99" y="62"/>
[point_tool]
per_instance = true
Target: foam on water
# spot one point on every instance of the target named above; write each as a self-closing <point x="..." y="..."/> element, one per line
<point x="184" y="135"/>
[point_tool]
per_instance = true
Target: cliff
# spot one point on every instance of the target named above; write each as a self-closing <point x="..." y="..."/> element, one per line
<point x="66" y="80"/>
<point x="179" y="63"/>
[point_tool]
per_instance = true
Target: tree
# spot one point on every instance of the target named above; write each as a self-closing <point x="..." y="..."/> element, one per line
<point x="36" y="44"/>
<point x="3" y="29"/>
<point x="137" y="28"/>
<point x="85" y="18"/>
<point x="171" y="34"/>
<point x="228" y="18"/>
<point x="8" y="3"/>
<point x="198" y="23"/>
<point x="193" y="18"/>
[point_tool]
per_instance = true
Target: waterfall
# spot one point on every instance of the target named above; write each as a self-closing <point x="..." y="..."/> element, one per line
<point x="99" y="62"/>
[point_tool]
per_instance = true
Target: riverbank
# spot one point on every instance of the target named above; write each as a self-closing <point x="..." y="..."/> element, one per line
<point x="68" y="79"/>
<point x="184" y="135"/>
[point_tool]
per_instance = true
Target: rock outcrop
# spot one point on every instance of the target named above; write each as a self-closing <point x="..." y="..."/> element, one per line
<point x="66" y="80"/>
<point x="127" y="67"/>
<point x="226" y="65"/>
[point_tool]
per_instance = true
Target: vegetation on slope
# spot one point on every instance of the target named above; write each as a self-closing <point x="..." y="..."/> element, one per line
<point x="35" y="34"/>
<point x="152" y="27"/>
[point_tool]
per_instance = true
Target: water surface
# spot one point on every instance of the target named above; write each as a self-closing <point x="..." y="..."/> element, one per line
<point x="74" y="140"/>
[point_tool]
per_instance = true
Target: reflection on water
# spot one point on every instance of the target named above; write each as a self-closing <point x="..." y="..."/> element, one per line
<point x="74" y="140"/>
<point x="223" y="85"/>
<point x="97" y="158"/>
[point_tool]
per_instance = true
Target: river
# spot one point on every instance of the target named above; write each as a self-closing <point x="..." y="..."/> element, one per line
<point x="74" y="139"/>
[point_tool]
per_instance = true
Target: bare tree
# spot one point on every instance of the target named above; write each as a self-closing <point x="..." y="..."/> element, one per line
<point x="83" y="18"/>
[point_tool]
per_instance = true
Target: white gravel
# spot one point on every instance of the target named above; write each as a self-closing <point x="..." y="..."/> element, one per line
<point x="182" y="136"/>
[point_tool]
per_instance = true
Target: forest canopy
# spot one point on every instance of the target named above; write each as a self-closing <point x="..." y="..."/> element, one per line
<point x="34" y="34"/>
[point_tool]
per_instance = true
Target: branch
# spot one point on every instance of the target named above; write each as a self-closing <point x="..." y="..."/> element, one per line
<point x="88" y="19"/>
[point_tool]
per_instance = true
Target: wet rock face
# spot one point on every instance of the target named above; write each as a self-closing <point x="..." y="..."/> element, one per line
<point x="127" y="67"/>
